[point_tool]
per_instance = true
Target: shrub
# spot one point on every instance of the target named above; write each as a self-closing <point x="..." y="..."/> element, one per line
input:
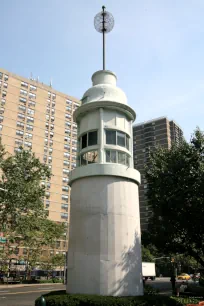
<point x="149" y="290"/>
<point x="52" y="280"/>
<point x="61" y="298"/>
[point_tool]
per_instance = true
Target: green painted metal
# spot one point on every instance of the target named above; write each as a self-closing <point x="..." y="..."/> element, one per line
<point x="42" y="301"/>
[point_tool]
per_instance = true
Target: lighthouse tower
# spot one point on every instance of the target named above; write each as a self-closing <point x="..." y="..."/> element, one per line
<point x="104" y="255"/>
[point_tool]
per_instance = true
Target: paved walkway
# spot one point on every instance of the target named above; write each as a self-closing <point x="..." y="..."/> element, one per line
<point x="28" y="285"/>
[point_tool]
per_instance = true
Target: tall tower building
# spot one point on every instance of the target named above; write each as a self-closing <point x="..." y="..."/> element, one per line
<point x="146" y="136"/>
<point x="38" y="117"/>
<point x="104" y="240"/>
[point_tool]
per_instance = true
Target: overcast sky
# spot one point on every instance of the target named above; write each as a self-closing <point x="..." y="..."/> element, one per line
<point x="156" y="49"/>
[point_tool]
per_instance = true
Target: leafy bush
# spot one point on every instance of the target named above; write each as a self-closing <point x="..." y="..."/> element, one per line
<point x="52" y="280"/>
<point x="149" y="290"/>
<point x="61" y="298"/>
<point x="187" y="300"/>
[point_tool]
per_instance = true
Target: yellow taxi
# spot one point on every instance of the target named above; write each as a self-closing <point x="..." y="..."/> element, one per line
<point x="184" y="276"/>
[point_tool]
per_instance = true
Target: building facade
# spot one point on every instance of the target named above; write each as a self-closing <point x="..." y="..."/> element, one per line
<point x="38" y="117"/>
<point x="146" y="136"/>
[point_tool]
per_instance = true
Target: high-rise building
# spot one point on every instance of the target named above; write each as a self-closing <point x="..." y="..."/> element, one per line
<point x="146" y="136"/>
<point x="38" y="117"/>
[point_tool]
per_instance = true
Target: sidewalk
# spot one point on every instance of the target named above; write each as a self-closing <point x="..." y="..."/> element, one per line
<point x="29" y="285"/>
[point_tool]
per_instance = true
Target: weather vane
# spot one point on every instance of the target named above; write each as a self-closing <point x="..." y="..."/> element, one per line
<point x="104" y="23"/>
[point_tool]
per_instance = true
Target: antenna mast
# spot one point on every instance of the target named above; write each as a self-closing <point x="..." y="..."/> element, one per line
<point x="104" y="23"/>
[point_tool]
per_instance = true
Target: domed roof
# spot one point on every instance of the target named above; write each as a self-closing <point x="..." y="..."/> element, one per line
<point x="104" y="89"/>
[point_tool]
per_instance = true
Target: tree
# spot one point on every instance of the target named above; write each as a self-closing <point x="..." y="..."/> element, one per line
<point x="21" y="190"/>
<point x="176" y="194"/>
<point x="23" y="219"/>
<point x="146" y="255"/>
<point x="59" y="261"/>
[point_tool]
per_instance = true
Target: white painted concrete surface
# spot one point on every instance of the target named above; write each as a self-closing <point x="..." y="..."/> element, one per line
<point x="104" y="246"/>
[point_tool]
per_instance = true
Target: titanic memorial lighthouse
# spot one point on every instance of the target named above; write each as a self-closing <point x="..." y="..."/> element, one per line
<point x="104" y="255"/>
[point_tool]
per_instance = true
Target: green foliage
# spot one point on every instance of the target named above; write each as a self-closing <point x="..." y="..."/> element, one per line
<point x="187" y="300"/>
<point x="176" y="194"/>
<point x="149" y="290"/>
<point x="60" y="298"/>
<point x="23" y="219"/>
<point x="52" y="280"/>
<point x="146" y="255"/>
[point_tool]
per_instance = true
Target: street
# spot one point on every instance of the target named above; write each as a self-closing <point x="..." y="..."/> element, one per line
<point x="25" y="296"/>
<point x="163" y="284"/>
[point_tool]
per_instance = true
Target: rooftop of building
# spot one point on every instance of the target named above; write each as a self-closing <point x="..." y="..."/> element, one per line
<point x="37" y="83"/>
<point x="154" y="120"/>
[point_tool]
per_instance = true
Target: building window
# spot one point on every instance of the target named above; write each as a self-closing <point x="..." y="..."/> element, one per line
<point x="66" y="163"/>
<point x="69" y="102"/>
<point x="22" y="108"/>
<point x="65" y="197"/>
<point x="32" y="95"/>
<point x="31" y="111"/>
<point x="23" y="100"/>
<point x="67" y="123"/>
<point x="1" y="118"/>
<point x="31" y="104"/>
<point x="20" y="124"/>
<point x="65" y="180"/>
<point x="47" y="203"/>
<point x="65" y="171"/>
<point x="68" y="108"/>
<point x="118" y="157"/>
<point x="23" y="92"/>
<point x="28" y="135"/>
<point x="28" y="144"/>
<point x="66" y="154"/>
<point x="4" y="93"/>
<point x="1" y="75"/>
<point x="19" y="133"/>
<point x="1" y="110"/>
<point x="67" y="139"/>
<point x="65" y="188"/>
<point x="3" y="101"/>
<point x="24" y="84"/>
<point x="64" y="216"/>
<point x="5" y="85"/>
<point x="64" y="206"/>
<point x="5" y="77"/>
<point x="30" y="119"/>
<point x="21" y="116"/>
<point x="19" y="142"/>
<point x="89" y="158"/>
<point x="1" y="127"/>
<point x="67" y="131"/>
<point x="29" y="127"/>
<point x="33" y="88"/>
<point x="66" y="147"/>
<point x="67" y="116"/>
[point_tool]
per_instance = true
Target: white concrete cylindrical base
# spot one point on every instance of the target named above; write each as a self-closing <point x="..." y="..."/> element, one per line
<point x="104" y="255"/>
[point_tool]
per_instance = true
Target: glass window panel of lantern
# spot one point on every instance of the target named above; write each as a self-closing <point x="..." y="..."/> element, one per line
<point x="110" y="137"/>
<point x="92" y="157"/>
<point x="121" y="139"/>
<point x="92" y="139"/>
<point x="122" y="158"/>
<point x="84" y="141"/>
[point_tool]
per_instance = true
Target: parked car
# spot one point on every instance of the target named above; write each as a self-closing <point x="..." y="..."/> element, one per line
<point x="184" y="276"/>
